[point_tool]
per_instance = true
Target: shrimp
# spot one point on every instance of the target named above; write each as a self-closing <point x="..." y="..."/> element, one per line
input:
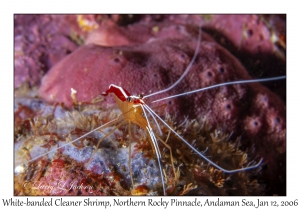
<point x="133" y="106"/>
<point x="135" y="111"/>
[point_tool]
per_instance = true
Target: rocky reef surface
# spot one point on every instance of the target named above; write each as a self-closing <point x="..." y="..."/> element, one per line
<point x="144" y="54"/>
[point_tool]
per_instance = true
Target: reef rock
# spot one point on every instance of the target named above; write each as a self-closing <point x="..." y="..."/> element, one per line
<point x="148" y="56"/>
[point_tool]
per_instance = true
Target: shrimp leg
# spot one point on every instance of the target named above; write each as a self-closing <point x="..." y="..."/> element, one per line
<point x="108" y="134"/>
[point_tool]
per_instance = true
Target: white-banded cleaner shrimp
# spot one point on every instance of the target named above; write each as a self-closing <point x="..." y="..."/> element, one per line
<point x="153" y="138"/>
<point x="168" y="141"/>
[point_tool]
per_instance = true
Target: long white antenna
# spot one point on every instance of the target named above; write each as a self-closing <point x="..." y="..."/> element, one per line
<point x="201" y="154"/>
<point x="71" y="142"/>
<point x="185" y="72"/>
<point x="154" y="141"/>
<point x="222" y="84"/>
<point x="157" y="125"/>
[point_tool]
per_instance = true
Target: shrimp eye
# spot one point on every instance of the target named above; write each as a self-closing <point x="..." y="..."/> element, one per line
<point x="141" y="96"/>
<point x="129" y="99"/>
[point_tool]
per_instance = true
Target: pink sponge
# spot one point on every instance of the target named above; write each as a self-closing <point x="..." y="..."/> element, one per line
<point x="146" y="57"/>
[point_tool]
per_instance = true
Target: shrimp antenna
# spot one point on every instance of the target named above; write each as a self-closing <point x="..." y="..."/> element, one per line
<point x="222" y="84"/>
<point x="157" y="152"/>
<point x="185" y="72"/>
<point x="71" y="142"/>
<point x="201" y="154"/>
